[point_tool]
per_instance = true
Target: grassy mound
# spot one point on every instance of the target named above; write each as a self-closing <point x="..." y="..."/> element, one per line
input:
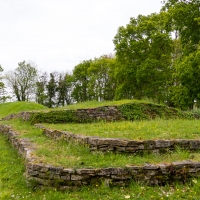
<point x="15" y="107"/>
<point x="130" y="110"/>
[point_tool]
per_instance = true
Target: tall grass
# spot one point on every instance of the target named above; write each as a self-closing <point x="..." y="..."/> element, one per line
<point x="136" y="130"/>
<point x="95" y="104"/>
<point x="15" y="107"/>
<point x="13" y="185"/>
<point x="62" y="153"/>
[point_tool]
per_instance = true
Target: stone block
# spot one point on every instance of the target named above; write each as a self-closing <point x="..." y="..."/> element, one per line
<point x="87" y="171"/>
<point x="164" y="143"/>
<point x="79" y="177"/>
<point x="66" y="177"/>
<point x="68" y="171"/>
<point x="194" y="144"/>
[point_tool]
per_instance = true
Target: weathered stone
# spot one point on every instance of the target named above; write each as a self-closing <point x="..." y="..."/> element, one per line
<point x="54" y="176"/>
<point x="93" y="140"/>
<point x="44" y="169"/>
<point x="194" y="144"/>
<point x="104" y="172"/>
<point x="121" y="177"/>
<point x="150" y="167"/>
<point x="164" y="143"/>
<point x="79" y="177"/>
<point x="43" y="175"/>
<point x="182" y="164"/>
<point x="150" y="144"/>
<point x="56" y="170"/>
<point x="69" y="171"/>
<point x="119" y="149"/>
<point x="165" y="169"/>
<point x="32" y="173"/>
<point x="66" y="177"/>
<point x="181" y="142"/>
<point x="131" y="149"/>
<point x="112" y="142"/>
<point x="86" y="171"/>
<point x="134" y="143"/>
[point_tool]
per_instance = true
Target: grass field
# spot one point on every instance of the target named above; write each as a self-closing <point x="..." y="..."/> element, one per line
<point x="13" y="184"/>
<point x="136" y="130"/>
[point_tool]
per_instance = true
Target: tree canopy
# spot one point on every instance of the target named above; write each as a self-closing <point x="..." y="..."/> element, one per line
<point x="22" y="81"/>
<point x="157" y="56"/>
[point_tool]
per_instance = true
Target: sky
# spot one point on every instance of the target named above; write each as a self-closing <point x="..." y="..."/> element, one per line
<point x="56" y="35"/>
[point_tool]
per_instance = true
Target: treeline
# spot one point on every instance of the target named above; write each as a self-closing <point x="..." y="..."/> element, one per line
<point x="156" y="56"/>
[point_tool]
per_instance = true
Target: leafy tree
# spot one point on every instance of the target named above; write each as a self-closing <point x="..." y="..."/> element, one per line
<point x="101" y="84"/>
<point x="41" y="96"/>
<point x="23" y="80"/>
<point x="1" y="83"/>
<point x="3" y="94"/>
<point x="81" y="80"/>
<point x="187" y="89"/>
<point x="64" y="89"/>
<point x="184" y="17"/>
<point x="51" y="91"/>
<point x="144" y="49"/>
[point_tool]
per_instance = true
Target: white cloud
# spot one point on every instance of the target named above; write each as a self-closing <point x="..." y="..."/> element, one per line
<point x="58" y="34"/>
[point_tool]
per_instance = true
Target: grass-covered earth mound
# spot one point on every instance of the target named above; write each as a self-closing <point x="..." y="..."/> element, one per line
<point x="19" y="106"/>
<point x="146" y="120"/>
<point x="127" y="110"/>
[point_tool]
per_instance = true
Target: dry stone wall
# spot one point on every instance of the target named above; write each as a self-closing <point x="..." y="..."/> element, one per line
<point x="69" y="178"/>
<point x="106" y="113"/>
<point x="123" y="145"/>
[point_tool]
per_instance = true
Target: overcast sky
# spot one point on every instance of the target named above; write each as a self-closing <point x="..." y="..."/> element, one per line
<point x="58" y="34"/>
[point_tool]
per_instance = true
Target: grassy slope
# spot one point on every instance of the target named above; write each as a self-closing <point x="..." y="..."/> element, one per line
<point x="13" y="184"/>
<point x="136" y="130"/>
<point x="15" y="107"/>
<point x="95" y="104"/>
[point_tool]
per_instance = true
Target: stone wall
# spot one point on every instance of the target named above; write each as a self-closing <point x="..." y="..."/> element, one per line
<point x="22" y="115"/>
<point x="123" y="145"/>
<point x="69" y="178"/>
<point x="106" y="113"/>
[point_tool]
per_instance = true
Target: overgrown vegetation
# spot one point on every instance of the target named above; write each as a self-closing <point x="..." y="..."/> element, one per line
<point x="16" y="107"/>
<point x="136" y="130"/>
<point x="134" y="110"/>
<point x="157" y="57"/>
<point x="13" y="184"/>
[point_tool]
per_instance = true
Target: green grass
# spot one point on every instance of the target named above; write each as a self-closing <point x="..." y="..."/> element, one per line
<point x="136" y="130"/>
<point x="13" y="185"/>
<point x="62" y="153"/>
<point x="15" y="107"/>
<point x="95" y="104"/>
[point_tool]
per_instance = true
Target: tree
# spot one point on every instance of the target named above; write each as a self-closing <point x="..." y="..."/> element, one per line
<point x="187" y="89"/>
<point x="144" y="49"/>
<point x="64" y="89"/>
<point x="23" y="80"/>
<point x="41" y="96"/>
<point x="184" y="17"/>
<point x="51" y="91"/>
<point x="81" y="80"/>
<point x="101" y="84"/>
<point x="3" y="94"/>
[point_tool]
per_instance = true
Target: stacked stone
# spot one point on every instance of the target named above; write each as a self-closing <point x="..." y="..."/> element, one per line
<point x="123" y="145"/>
<point x="106" y="113"/>
<point x="69" y="178"/>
